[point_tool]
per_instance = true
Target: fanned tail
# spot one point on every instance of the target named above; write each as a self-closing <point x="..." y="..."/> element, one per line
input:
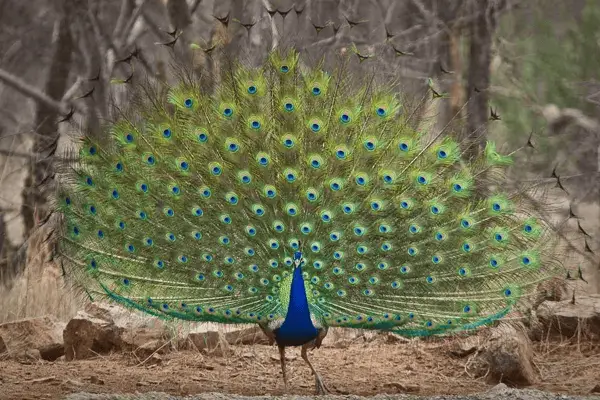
<point x="192" y="207"/>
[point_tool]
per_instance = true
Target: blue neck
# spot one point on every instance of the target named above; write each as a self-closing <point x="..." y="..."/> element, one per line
<point x="297" y="325"/>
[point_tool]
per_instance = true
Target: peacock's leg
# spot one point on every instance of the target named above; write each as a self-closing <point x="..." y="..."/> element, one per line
<point x="319" y="384"/>
<point x="282" y="358"/>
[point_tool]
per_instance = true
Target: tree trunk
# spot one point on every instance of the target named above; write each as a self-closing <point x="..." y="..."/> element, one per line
<point x="35" y="192"/>
<point x="449" y="67"/>
<point x="480" y="58"/>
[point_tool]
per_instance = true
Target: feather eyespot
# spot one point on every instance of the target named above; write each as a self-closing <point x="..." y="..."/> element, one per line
<point x="292" y="209"/>
<point x="362" y="179"/>
<point x="270" y="191"/>
<point x="202" y="137"/>
<point x="233" y="147"/>
<point x="381" y="112"/>
<point x="205" y="192"/>
<point x="370" y="144"/>
<point x="316" y="162"/>
<point x="232" y="198"/>
<point x="215" y="168"/>
<point x="312" y="195"/>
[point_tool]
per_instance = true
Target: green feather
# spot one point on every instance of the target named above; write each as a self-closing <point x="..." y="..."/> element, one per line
<point x="195" y="203"/>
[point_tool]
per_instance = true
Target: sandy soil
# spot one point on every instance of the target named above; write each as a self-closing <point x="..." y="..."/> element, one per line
<point x="359" y="368"/>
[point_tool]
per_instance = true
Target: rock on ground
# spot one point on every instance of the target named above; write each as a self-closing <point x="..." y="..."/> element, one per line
<point x="563" y="318"/>
<point x="3" y="348"/>
<point x="22" y="338"/>
<point x="503" y="354"/>
<point x="85" y="336"/>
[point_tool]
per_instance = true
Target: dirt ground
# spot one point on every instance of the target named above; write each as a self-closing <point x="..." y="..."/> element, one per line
<point x="360" y="368"/>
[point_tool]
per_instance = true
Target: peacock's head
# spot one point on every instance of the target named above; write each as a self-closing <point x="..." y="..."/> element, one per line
<point x="298" y="260"/>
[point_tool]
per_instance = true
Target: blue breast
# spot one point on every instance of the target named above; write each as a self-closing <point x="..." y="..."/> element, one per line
<point x="297" y="329"/>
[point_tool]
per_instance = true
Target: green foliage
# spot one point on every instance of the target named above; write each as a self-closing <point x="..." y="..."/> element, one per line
<point x="545" y="60"/>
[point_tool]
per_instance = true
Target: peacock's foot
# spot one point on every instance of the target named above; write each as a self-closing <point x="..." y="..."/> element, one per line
<point x="320" y="387"/>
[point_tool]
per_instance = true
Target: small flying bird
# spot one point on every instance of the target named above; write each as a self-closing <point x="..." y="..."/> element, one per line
<point x="581" y="230"/>
<point x="560" y="185"/>
<point x="530" y="141"/>
<point x="86" y="94"/>
<point x="434" y="93"/>
<point x="68" y="116"/>
<point x="170" y="43"/>
<point x="580" y="274"/>
<point x="571" y="213"/>
<point x="388" y="35"/>
<point x="247" y="25"/>
<point x="319" y="28"/>
<point x="399" y="52"/>
<point x="95" y="78"/>
<point x="172" y="33"/>
<point x="353" y="23"/>
<point x="129" y="57"/>
<point x="299" y="11"/>
<point x="361" y="57"/>
<point x="223" y="20"/>
<point x="494" y="116"/>
<point x="587" y="247"/>
<point x="444" y="70"/>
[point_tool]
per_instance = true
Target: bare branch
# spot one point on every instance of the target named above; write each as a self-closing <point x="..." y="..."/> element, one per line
<point x="126" y="10"/>
<point x="70" y="93"/>
<point x="194" y="6"/>
<point x="431" y="17"/>
<point x="152" y="25"/>
<point x="274" y="31"/>
<point x="32" y="92"/>
<point x="134" y="17"/>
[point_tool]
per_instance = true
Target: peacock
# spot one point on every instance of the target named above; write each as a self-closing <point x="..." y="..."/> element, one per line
<point x="299" y="199"/>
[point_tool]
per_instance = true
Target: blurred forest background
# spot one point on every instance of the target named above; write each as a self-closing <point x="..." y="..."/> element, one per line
<point x="529" y="68"/>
